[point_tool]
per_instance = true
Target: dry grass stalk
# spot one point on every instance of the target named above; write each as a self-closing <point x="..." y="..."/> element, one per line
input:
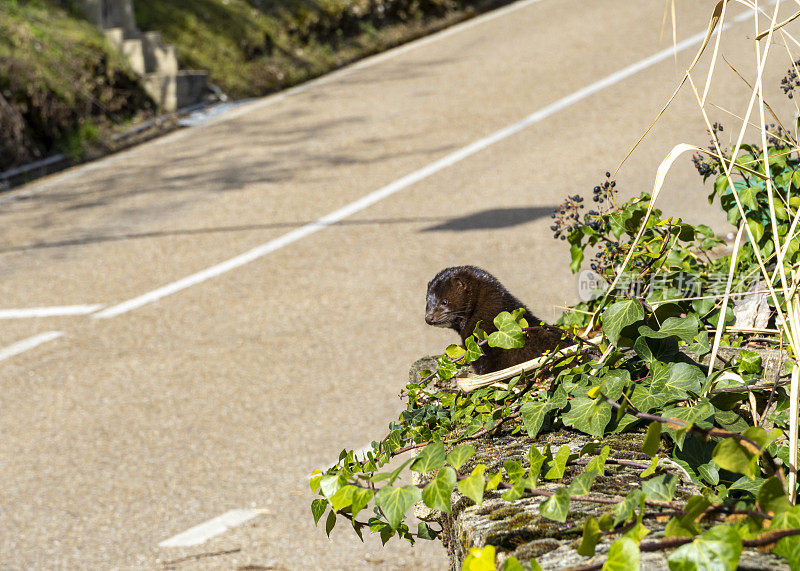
<point x="474" y="382"/>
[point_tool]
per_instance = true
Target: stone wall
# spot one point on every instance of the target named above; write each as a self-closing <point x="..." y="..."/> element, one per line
<point x="155" y="62"/>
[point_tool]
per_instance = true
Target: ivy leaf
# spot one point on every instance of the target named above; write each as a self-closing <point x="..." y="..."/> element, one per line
<point x="717" y="549"/>
<point x="651" y="469"/>
<point x="446" y="368"/>
<point x="361" y="498"/>
<point x="788" y="547"/>
<point x="318" y="508"/>
<point x="330" y="523"/>
<point x="599" y="462"/>
<point x="512" y="564"/>
<point x="437" y="493"/>
<point x="343" y="498"/>
<point x="645" y="399"/>
<point x="701" y="346"/>
<point x="459" y="455"/>
<point x="431" y="458"/>
<point x="756" y="228"/>
<point x="556" y="506"/>
<point x="424" y="532"/>
<point x="514" y="469"/>
<point x="314" y="482"/>
<point x="588" y="415"/>
<point x="474" y="352"/>
<point x="638" y="532"/>
<point x="619" y="316"/>
<point x="582" y="483"/>
<point x="771" y="497"/>
<point x="703" y="306"/>
<point x="652" y="440"/>
<point x="701" y="414"/>
<point x="480" y="559"/>
<point x="747" y="194"/>
<point x="623" y="555"/>
<point x="455" y="352"/>
<point x="661" y="487"/>
<point x="509" y="334"/>
<point x="536" y="460"/>
<point x="677" y="380"/>
<point x="591" y="535"/>
<point x="559" y="464"/>
<point x="685" y="329"/>
<point x="656" y="349"/>
<point x="614" y="383"/>
<point x="731" y="455"/>
<point x="473" y="486"/>
<point x="494" y="480"/>
<point x="624" y="509"/>
<point x="331" y="483"/>
<point x="747" y="484"/>
<point x="576" y="253"/>
<point x="686" y="525"/>
<point x="384" y="529"/>
<point x="695" y="456"/>
<point x="516" y="490"/>
<point x="394" y="502"/>
<point x="749" y="361"/>
<point x="533" y="414"/>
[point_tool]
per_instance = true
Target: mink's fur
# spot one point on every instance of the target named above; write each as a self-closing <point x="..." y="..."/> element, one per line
<point x="460" y="297"/>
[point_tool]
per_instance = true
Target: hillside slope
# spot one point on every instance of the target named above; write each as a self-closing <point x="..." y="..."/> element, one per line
<point x="252" y="47"/>
<point x="61" y="85"/>
<point x="65" y="89"/>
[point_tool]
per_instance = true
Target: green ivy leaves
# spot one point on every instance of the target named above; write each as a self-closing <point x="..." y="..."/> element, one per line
<point x="509" y="334"/>
<point x="717" y="549"/>
<point x="394" y="502"/>
<point x="437" y="493"/>
<point x="623" y="555"/>
<point x="431" y="458"/>
<point x="588" y="415"/>
<point x="474" y="485"/>
<point x="618" y="317"/>
<point x="556" y="506"/>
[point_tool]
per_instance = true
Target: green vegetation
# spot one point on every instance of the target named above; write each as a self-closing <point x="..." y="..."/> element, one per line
<point x="251" y="47"/>
<point x="646" y="374"/>
<point x="657" y="312"/>
<point x="63" y="88"/>
<point x="60" y="83"/>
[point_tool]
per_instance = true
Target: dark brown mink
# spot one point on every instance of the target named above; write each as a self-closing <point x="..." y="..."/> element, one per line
<point x="460" y="297"/>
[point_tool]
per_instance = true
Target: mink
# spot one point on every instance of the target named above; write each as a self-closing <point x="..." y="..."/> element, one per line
<point x="462" y="296"/>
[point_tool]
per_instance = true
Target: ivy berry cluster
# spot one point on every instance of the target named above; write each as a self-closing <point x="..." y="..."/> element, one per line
<point x="791" y="80"/>
<point x="567" y="216"/>
<point x="604" y="192"/>
<point x="709" y="166"/>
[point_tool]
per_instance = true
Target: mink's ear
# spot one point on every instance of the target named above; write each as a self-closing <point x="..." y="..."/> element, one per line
<point x="459" y="283"/>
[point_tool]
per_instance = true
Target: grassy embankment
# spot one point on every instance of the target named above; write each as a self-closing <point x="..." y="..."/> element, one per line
<point x="253" y="47"/>
<point x="62" y="87"/>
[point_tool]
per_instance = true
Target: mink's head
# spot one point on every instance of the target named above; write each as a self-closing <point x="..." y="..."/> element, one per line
<point x="448" y="296"/>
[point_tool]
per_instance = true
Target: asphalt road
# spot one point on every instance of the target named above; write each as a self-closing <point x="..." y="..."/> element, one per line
<point x="223" y="392"/>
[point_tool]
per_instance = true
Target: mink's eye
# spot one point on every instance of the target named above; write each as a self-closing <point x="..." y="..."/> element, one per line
<point x="444" y="302"/>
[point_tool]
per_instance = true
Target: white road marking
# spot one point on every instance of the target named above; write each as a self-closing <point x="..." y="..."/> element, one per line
<point x="205" y="531"/>
<point x="54" y="311"/>
<point x="29" y="343"/>
<point x="400" y="184"/>
<point x="77" y="172"/>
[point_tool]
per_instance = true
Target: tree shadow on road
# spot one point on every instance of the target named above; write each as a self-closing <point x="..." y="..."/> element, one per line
<point x="492" y="219"/>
